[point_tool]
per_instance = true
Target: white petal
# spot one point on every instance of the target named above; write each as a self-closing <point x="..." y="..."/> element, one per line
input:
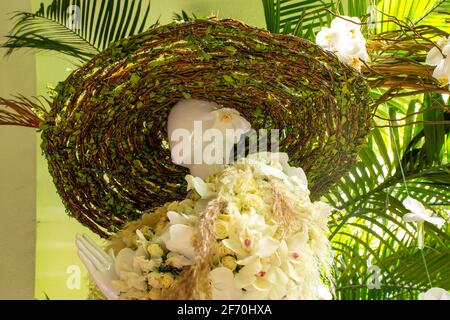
<point x="134" y="280"/>
<point x="205" y="170"/>
<point x="228" y="119"/>
<point x="363" y="55"/>
<point x="270" y="171"/>
<point x="446" y="50"/>
<point x="298" y="173"/>
<point x="324" y="293"/>
<point x="235" y="246"/>
<point x="176" y="218"/>
<point x="292" y="272"/>
<point x="221" y="276"/>
<point x="262" y="284"/>
<point x="242" y="280"/>
<point x="345" y="23"/>
<point x="435" y="294"/>
<point x="352" y="47"/>
<point x="200" y="187"/>
<point x="296" y="241"/>
<point x="278" y="277"/>
<point x="223" y="285"/>
<point x="140" y="252"/>
<point x="182" y="117"/>
<point x="124" y="261"/>
<point x="181" y="240"/>
<point x="246" y="276"/>
<point x="413" y="217"/>
<point x="414" y="206"/>
<point x="266" y="247"/>
<point x="283" y="251"/>
<point x="324" y="38"/>
<point x="435" y="220"/>
<point x="442" y="71"/>
<point x="434" y="56"/>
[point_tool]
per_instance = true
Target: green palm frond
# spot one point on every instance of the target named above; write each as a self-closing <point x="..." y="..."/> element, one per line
<point x="298" y="17"/>
<point x="304" y="17"/>
<point x="439" y="17"/>
<point x="78" y="28"/>
<point x="379" y="250"/>
<point x="421" y="146"/>
<point x="369" y="226"/>
<point x="184" y="16"/>
<point x="418" y="12"/>
<point x="358" y="8"/>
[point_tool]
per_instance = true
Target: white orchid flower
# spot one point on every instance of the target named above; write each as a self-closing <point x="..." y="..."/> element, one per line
<point x="345" y="39"/>
<point x="435" y="294"/>
<point x="190" y="121"/>
<point x="440" y="57"/>
<point x="290" y="253"/>
<point x="419" y="214"/>
<point x="328" y="39"/>
<point x="263" y="278"/>
<point x="352" y="25"/>
<point x="178" y="238"/>
<point x="250" y="244"/>
<point x="442" y="71"/>
<point x="435" y="56"/>
<point x="249" y="236"/>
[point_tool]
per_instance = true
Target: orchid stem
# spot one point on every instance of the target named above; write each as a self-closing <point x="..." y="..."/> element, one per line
<point x="426" y="268"/>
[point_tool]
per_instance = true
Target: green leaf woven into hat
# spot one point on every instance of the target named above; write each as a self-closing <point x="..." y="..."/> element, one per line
<point x="105" y="137"/>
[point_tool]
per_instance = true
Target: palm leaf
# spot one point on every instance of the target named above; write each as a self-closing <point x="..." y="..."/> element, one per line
<point x="439" y="16"/>
<point x="381" y="239"/>
<point x="298" y="17"/>
<point x="184" y="16"/>
<point x="369" y="225"/>
<point x="77" y="28"/>
<point x="417" y="12"/>
<point x="22" y="111"/>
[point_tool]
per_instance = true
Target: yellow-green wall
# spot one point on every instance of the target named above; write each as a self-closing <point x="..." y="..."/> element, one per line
<point x="55" y="231"/>
<point x="17" y="173"/>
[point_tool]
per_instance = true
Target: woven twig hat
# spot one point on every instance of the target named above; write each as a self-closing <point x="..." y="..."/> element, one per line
<point x="106" y="141"/>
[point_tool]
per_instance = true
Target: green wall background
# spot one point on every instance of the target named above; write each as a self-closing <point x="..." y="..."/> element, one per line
<point x="17" y="173"/>
<point x="55" y="249"/>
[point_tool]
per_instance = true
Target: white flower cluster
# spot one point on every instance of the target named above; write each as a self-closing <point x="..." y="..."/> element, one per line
<point x="255" y="255"/>
<point x="435" y="294"/>
<point x="150" y="258"/>
<point x="345" y="39"/>
<point x="440" y="57"/>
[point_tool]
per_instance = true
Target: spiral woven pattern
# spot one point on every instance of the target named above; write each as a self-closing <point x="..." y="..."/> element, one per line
<point x="106" y="141"/>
